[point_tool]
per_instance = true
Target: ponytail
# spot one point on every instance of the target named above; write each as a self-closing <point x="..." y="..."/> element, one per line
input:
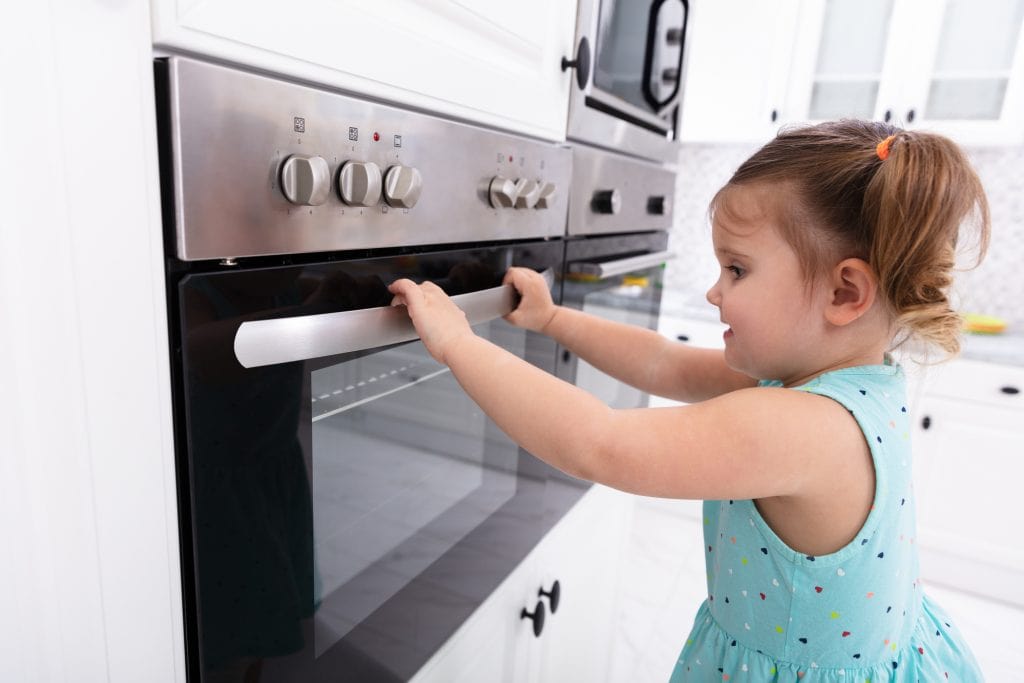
<point x="917" y="201"/>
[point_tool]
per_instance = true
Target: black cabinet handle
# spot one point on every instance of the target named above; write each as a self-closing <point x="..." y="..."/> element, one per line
<point x="536" y="616"/>
<point x="910" y="116"/>
<point x="1010" y="390"/>
<point x="581" y="63"/>
<point x="775" y="115"/>
<point x="888" y="116"/>
<point x="926" y="422"/>
<point x="683" y="337"/>
<point x="554" y="595"/>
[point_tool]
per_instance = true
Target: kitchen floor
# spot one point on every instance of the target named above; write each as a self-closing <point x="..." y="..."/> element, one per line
<point x="663" y="577"/>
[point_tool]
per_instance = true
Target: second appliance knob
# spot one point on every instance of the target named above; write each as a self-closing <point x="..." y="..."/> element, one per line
<point x="527" y="193"/>
<point x="547" y="197"/>
<point x="305" y="180"/>
<point x="606" y="201"/>
<point x="502" y="192"/>
<point x="402" y="186"/>
<point x="359" y="183"/>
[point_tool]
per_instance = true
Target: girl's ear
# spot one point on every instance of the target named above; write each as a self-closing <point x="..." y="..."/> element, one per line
<point x="854" y="288"/>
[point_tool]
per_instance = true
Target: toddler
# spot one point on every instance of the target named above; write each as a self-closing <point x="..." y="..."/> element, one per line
<point x="837" y="242"/>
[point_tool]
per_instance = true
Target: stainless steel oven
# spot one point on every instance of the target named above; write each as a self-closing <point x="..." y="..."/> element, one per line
<point x="344" y="505"/>
<point x="629" y="75"/>
<point x="620" y="212"/>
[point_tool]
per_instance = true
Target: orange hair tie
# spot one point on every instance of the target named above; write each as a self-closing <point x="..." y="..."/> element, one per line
<point x="882" y="149"/>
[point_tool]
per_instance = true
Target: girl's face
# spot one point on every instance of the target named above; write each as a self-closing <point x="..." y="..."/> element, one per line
<point x="761" y="293"/>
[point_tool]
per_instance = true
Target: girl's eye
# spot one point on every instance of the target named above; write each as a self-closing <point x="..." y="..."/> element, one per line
<point x="736" y="271"/>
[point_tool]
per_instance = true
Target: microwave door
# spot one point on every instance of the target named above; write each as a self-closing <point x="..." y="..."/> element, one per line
<point x="639" y="59"/>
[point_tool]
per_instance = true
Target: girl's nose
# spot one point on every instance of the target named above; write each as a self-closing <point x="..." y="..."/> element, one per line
<point x="713" y="295"/>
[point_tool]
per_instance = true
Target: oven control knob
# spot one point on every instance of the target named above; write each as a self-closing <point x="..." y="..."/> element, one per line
<point x="306" y="180"/>
<point x="547" y="197"/>
<point x="359" y="183"/>
<point x="502" y="192"/>
<point x="402" y="186"/>
<point x="606" y="201"/>
<point x="527" y="193"/>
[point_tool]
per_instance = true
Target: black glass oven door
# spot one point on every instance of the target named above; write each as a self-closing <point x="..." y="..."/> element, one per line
<point x="618" y="278"/>
<point x="346" y="513"/>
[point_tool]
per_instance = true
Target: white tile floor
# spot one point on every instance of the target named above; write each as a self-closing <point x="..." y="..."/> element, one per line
<point x="663" y="584"/>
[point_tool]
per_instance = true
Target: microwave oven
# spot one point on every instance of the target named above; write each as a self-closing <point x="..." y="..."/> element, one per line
<point x="629" y="76"/>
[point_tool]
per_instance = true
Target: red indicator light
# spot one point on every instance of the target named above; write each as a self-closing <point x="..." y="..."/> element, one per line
<point x="510" y="158"/>
<point x="376" y="137"/>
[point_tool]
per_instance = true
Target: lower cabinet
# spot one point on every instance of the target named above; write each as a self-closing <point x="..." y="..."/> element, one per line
<point x="969" y="461"/>
<point x="582" y="556"/>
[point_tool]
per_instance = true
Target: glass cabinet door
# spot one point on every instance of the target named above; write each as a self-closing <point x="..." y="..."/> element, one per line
<point x="851" y="55"/>
<point x="974" y="59"/>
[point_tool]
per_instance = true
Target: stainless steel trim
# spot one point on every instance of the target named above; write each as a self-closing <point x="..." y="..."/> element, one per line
<point x="231" y="131"/>
<point x="636" y="182"/>
<point x="607" y="269"/>
<point x="619" y="104"/>
<point x="285" y="340"/>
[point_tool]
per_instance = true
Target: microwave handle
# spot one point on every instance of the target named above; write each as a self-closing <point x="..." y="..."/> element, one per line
<point x="607" y="269"/>
<point x="657" y="105"/>
<point x="286" y="340"/>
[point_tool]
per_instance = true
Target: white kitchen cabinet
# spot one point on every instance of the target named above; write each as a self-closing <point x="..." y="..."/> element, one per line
<point x="493" y="63"/>
<point x="737" y="64"/>
<point x="952" y="66"/>
<point x="956" y="67"/>
<point x="582" y="552"/>
<point x="969" y="461"/>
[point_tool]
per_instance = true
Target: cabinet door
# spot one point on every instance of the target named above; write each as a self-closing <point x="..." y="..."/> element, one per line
<point x="969" y="461"/>
<point x="583" y="555"/>
<point x="495" y="63"/>
<point x="969" y="79"/>
<point x="736" y="70"/>
<point x="845" y="57"/>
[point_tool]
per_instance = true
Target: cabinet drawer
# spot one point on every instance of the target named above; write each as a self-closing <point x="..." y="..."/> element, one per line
<point x="977" y="381"/>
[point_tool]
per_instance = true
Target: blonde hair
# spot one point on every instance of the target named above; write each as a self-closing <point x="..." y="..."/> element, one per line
<point x="901" y="214"/>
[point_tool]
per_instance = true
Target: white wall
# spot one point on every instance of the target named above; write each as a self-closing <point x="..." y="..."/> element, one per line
<point x="89" y="580"/>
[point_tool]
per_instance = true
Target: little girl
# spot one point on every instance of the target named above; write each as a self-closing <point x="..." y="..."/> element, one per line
<point x="836" y="242"/>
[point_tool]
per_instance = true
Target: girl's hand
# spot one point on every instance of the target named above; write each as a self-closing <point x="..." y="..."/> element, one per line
<point x="438" y="321"/>
<point x="536" y="309"/>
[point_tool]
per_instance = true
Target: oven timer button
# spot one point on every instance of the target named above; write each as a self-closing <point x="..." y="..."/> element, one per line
<point x="402" y="186"/>
<point x="359" y="183"/>
<point x="606" y="201"/>
<point x="502" y="192"/>
<point x="306" y="180"/>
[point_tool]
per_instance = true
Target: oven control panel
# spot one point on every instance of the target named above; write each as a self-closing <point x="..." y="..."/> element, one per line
<point x="263" y="166"/>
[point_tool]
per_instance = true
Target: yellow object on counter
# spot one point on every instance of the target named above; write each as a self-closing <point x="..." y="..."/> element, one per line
<point x="976" y="323"/>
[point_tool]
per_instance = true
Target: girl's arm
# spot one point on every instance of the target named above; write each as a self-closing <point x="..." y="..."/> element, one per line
<point x="637" y="356"/>
<point x="750" y="443"/>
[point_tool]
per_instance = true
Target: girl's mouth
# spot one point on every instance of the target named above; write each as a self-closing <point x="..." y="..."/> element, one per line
<point x="727" y="334"/>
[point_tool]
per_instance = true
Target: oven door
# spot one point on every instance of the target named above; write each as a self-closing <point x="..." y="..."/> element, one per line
<point x="631" y="98"/>
<point x="348" y="505"/>
<point x="618" y="278"/>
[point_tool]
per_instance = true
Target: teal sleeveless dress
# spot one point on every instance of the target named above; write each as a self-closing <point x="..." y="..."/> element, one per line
<point x="857" y="615"/>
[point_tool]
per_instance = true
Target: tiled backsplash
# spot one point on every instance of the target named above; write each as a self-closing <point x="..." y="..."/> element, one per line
<point x="996" y="287"/>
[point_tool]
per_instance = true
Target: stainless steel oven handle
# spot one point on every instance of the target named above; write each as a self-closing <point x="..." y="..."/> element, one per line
<point x="285" y="340"/>
<point x="609" y="269"/>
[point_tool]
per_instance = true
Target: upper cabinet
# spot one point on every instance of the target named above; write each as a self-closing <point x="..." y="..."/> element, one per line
<point x="497" y="64"/>
<point x="953" y="66"/>
<point x="740" y="54"/>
